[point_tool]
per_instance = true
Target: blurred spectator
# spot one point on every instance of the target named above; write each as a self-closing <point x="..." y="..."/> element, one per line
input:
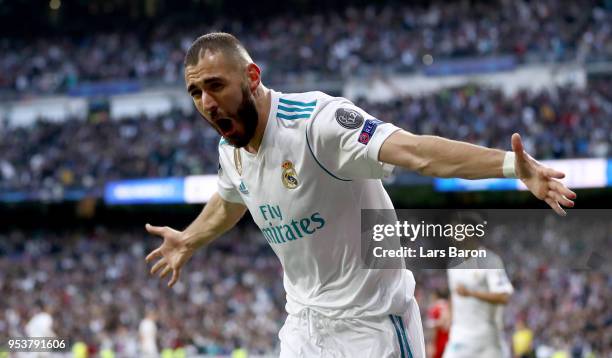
<point x="522" y="341"/>
<point x="232" y="295"/>
<point x="387" y="37"/>
<point x="77" y="154"/>
<point x="99" y="285"/>
<point x="564" y="123"/>
<point x="52" y="157"/>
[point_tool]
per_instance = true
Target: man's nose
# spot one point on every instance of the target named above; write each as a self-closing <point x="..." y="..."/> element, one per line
<point x="209" y="103"/>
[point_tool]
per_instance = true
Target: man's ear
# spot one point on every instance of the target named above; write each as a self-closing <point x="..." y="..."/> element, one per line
<point x="253" y="76"/>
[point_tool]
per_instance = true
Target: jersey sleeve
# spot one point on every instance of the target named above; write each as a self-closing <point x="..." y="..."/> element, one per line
<point x="345" y="140"/>
<point x="226" y="189"/>
<point x="498" y="281"/>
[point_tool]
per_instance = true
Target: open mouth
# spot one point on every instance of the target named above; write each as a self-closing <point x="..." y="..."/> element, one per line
<point x="225" y="124"/>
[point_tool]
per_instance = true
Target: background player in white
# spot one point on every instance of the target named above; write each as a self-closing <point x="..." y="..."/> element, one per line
<point x="147" y="334"/>
<point x="477" y="300"/>
<point x="41" y="323"/>
<point x="302" y="164"/>
<point x="479" y="289"/>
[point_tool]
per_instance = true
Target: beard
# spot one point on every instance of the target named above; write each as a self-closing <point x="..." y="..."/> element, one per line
<point x="246" y="116"/>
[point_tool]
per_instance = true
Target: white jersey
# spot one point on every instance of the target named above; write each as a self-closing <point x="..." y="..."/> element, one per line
<point x="316" y="168"/>
<point x="147" y="329"/>
<point x="40" y="325"/>
<point x="474" y="321"/>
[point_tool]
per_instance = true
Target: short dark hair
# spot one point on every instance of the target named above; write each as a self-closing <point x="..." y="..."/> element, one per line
<point x="442" y="293"/>
<point x="216" y="41"/>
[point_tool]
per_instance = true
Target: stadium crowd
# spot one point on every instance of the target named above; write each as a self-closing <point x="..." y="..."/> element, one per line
<point x="95" y="281"/>
<point x="99" y="289"/>
<point x="231" y="295"/>
<point x="565" y="123"/>
<point x="87" y="154"/>
<point x="387" y="37"/>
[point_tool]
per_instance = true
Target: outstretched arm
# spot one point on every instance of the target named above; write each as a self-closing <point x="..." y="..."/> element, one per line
<point x="498" y="298"/>
<point x="440" y="157"/>
<point x="217" y="217"/>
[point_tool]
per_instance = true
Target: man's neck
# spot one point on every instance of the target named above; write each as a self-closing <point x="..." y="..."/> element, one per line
<point x="263" y="101"/>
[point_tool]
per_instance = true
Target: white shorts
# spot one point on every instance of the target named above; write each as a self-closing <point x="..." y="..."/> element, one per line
<point x="313" y="335"/>
<point x="461" y="350"/>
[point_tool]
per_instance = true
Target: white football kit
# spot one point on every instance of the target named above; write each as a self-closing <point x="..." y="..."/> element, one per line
<point x="40" y="325"/>
<point x="477" y="326"/>
<point x="147" y="331"/>
<point x="316" y="168"/>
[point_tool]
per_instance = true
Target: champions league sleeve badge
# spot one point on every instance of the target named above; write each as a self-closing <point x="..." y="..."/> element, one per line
<point x="349" y="118"/>
<point x="368" y="131"/>
<point x="289" y="175"/>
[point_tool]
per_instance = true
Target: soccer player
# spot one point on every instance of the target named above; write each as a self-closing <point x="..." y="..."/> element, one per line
<point x="147" y="334"/>
<point x="41" y="323"/>
<point x="439" y="321"/>
<point x="304" y="165"/>
<point x="477" y="300"/>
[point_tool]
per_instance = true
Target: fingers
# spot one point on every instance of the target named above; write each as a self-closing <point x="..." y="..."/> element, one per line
<point x="154" y="254"/>
<point x="551" y="173"/>
<point x="165" y="272"/>
<point x="559" y="195"/>
<point x="555" y="206"/>
<point x="155" y="230"/>
<point x="562" y="200"/>
<point x="175" y="276"/>
<point x="160" y="264"/>
<point x="562" y="189"/>
<point x="517" y="145"/>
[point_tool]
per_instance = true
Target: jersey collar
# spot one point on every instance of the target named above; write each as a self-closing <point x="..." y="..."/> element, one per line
<point x="274" y="96"/>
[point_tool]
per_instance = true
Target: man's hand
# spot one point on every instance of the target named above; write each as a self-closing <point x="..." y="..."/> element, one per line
<point x="217" y="217"/>
<point x="542" y="181"/>
<point x="174" y="252"/>
<point x="463" y="291"/>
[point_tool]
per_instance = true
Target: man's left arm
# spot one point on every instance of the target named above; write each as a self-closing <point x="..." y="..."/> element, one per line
<point x="496" y="298"/>
<point x="441" y="157"/>
<point x="499" y="287"/>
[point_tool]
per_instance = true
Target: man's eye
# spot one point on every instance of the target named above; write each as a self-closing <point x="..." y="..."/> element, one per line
<point x="196" y="93"/>
<point x="216" y="86"/>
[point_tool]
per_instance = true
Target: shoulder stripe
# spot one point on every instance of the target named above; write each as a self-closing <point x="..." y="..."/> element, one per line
<point x="298" y="103"/>
<point x="292" y="116"/>
<point x="223" y="141"/>
<point x="295" y="109"/>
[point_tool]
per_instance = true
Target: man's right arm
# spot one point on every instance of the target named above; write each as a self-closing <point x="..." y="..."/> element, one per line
<point x="217" y="217"/>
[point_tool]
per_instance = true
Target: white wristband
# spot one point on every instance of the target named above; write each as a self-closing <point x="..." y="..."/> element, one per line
<point x="508" y="167"/>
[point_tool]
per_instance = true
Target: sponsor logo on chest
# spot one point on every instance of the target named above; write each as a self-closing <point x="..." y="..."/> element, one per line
<point x="279" y="229"/>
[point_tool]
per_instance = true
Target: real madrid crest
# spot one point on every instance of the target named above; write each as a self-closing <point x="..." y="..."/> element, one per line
<point x="289" y="175"/>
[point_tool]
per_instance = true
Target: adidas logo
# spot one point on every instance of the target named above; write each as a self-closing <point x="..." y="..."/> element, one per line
<point x="243" y="189"/>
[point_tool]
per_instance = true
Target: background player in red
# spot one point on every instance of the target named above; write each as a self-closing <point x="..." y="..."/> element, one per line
<point x="438" y="318"/>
